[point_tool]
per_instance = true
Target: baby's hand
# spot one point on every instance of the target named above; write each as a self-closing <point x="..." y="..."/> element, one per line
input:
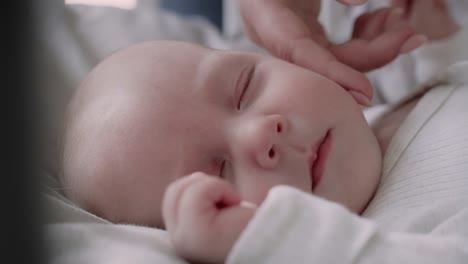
<point x="428" y="17"/>
<point x="203" y="216"/>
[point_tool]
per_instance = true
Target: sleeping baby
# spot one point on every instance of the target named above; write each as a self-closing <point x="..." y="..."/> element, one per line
<point x="244" y="158"/>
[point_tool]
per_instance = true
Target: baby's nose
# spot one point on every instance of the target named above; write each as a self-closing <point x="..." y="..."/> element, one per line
<point x="268" y="140"/>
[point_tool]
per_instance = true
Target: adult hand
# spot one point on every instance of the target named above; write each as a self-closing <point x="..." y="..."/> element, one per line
<point x="291" y="31"/>
<point x="204" y="217"/>
<point x="428" y="17"/>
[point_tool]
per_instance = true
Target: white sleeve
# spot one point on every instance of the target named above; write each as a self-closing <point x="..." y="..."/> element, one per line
<point x="435" y="56"/>
<point x="294" y="227"/>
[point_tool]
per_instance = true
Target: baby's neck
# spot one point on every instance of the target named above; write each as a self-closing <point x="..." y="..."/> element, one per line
<point x="386" y="127"/>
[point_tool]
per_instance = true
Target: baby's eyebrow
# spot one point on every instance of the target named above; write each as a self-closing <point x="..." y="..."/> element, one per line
<point x="206" y="69"/>
<point x="213" y="78"/>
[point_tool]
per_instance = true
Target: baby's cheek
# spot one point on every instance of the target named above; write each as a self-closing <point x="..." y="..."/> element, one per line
<point x="255" y="193"/>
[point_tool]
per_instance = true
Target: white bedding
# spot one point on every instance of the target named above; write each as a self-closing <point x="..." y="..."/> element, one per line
<point x="75" y="43"/>
<point x="106" y="243"/>
<point x="76" y="236"/>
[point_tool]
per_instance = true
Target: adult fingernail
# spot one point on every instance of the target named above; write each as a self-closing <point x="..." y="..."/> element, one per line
<point x="413" y="43"/>
<point x="394" y="19"/>
<point x="396" y="14"/>
<point x="360" y="98"/>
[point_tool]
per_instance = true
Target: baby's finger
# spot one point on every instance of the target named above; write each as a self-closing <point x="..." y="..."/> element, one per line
<point x="229" y="225"/>
<point x="172" y="197"/>
<point x="209" y="194"/>
<point x="203" y="224"/>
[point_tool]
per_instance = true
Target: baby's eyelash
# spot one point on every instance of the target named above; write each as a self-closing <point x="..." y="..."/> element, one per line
<point x="221" y="169"/>
<point x="244" y="85"/>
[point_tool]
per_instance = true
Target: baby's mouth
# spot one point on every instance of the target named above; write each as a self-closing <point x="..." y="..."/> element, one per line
<point x="318" y="158"/>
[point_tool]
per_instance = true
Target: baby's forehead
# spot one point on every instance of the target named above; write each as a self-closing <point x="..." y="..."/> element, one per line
<point x="153" y="70"/>
<point x="164" y="53"/>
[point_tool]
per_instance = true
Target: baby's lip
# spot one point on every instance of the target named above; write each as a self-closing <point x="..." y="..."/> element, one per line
<point x="316" y="156"/>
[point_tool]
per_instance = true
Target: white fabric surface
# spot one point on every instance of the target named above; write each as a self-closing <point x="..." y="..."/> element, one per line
<point x="104" y="243"/>
<point x="419" y="213"/>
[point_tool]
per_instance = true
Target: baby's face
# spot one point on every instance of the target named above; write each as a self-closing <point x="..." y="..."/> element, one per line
<point x="171" y="109"/>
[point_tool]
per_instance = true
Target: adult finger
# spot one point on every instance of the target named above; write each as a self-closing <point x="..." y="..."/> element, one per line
<point x="402" y="3"/>
<point x="307" y="53"/>
<point x="292" y="39"/>
<point x="368" y="55"/>
<point x="360" y="24"/>
<point x="395" y="19"/>
<point x="352" y="2"/>
<point x="373" y="24"/>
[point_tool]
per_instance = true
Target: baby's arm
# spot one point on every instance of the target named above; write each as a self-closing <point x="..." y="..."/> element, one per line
<point x="295" y="227"/>
<point x="204" y="217"/>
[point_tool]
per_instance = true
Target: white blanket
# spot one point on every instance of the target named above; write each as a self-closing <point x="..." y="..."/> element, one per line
<point x="76" y="236"/>
<point x="105" y="243"/>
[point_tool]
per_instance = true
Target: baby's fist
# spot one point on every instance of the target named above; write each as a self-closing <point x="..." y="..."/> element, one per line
<point x="203" y="216"/>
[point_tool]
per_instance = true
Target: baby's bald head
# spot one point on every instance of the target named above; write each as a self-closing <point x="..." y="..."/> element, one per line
<point x="117" y="111"/>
